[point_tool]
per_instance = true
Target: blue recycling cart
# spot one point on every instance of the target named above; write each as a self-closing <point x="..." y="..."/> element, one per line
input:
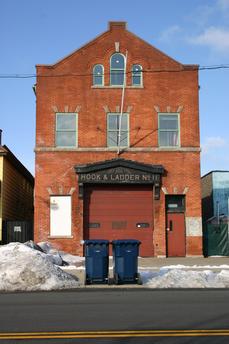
<point x="96" y="261"/>
<point x="125" y="261"/>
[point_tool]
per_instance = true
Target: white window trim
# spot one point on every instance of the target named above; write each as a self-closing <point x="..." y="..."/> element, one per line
<point x="128" y="129"/>
<point x="76" y="129"/>
<point x="178" y="118"/>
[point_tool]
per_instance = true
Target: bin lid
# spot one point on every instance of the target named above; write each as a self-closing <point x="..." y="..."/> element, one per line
<point x="96" y="242"/>
<point x="126" y="242"/>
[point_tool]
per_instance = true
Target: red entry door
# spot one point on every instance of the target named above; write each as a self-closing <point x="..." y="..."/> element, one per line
<point x="175" y="235"/>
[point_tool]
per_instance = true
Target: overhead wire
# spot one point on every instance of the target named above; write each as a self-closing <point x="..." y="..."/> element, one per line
<point x="187" y="69"/>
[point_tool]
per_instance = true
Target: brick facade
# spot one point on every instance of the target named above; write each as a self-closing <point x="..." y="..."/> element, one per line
<point x="67" y="87"/>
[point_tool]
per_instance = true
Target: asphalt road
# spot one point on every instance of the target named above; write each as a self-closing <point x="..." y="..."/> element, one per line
<point x="115" y="316"/>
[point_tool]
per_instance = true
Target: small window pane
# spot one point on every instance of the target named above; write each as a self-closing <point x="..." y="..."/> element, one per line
<point x="137" y="68"/>
<point x="98" y="70"/>
<point x="136" y="80"/>
<point x="113" y="122"/>
<point x="98" y="80"/>
<point x="66" y="122"/>
<point x="112" y="139"/>
<point x="169" y="138"/>
<point x="124" y="125"/>
<point x="117" y="61"/>
<point x="66" y="138"/>
<point x="117" y="77"/>
<point x="124" y="139"/>
<point x="168" y="122"/>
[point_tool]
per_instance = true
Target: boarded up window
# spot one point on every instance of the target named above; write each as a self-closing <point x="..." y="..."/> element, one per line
<point x="60" y="216"/>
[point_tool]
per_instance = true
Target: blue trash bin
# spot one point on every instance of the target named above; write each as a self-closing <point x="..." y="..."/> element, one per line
<point x="125" y="261"/>
<point x="96" y="261"/>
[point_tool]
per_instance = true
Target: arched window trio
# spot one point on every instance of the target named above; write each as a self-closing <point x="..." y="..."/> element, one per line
<point x="117" y="76"/>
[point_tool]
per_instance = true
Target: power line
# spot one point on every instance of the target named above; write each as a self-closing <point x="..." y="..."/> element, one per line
<point x="187" y="69"/>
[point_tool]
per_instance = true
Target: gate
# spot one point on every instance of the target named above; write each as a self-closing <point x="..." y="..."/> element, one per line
<point x="17" y="231"/>
<point x="216" y="239"/>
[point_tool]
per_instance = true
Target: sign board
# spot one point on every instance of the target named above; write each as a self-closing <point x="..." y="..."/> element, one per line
<point x="119" y="176"/>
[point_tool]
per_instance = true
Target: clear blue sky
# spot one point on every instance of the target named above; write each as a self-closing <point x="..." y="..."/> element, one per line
<point x="42" y="32"/>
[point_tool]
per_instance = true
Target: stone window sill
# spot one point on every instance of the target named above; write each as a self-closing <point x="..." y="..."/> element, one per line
<point x="112" y="86"/>
<point x="60" y="237"/>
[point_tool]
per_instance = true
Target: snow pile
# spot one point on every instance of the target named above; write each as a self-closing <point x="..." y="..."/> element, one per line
<point x="177" y="278"/>
<point x="60" y="257"/>
<point x="24" y="268"/>
<point x="73" y="260"/>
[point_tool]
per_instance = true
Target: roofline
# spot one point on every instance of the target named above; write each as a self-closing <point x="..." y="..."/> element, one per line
<point x="6" y="152"/>
<point x="213" y="171"/>
<point x="188" y="66"/>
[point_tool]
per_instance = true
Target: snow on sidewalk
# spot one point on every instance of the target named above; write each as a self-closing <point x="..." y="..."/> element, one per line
<point x="23" y="268"/>
<point x="179" y="278"/>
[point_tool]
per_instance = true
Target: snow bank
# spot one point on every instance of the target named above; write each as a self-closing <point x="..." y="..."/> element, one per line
<point x="176" y="278"/>
<point x="72" y="260"/>
<point x="23" y="268"/>
<point x="57" y="255"/>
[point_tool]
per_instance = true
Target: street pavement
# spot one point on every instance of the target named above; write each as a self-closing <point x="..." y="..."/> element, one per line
<point x="115" y="316"/>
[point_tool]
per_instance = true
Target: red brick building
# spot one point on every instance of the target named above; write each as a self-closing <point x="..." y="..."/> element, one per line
<point x="117" y="148"/>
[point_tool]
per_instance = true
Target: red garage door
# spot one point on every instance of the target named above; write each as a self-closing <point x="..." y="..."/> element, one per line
<point x="120" y="212"/>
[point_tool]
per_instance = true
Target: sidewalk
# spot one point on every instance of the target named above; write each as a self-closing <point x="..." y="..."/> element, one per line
<point x="215" y="264"/>
<point x="157" y="263"/>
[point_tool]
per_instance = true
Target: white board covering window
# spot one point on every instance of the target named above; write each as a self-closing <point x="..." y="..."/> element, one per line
<point x="60" y="216"/>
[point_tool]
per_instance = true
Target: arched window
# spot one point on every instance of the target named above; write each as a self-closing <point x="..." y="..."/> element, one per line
<point x="98" y="75"/>
<point x="136" y="75"/>
<point x="117" y="66"/>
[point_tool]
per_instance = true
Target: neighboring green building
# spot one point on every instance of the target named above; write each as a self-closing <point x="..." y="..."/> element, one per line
<point x="215" y="212"/>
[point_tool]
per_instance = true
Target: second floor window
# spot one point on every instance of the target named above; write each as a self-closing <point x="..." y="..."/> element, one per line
<point x="168" y="130"/>
<point x="114" y="122"/>
<point x="66" y="130"/>
<point x="117" y="66"/>
<point x="98" y="75"/>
